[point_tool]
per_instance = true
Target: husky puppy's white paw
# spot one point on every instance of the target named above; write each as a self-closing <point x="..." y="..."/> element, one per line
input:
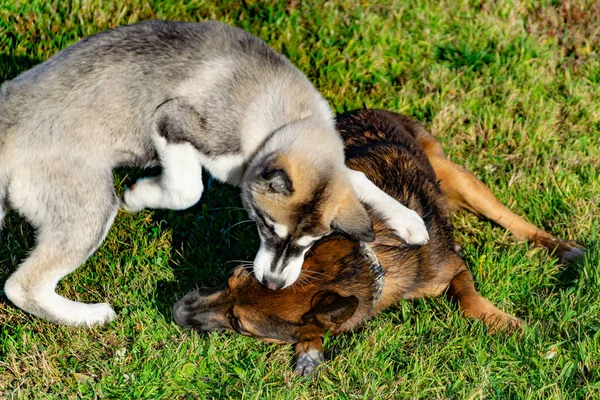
<point x="145" y="190"/>
<point x="178" y="187"/>
<point x="51" y="306"/>
<point x="97" y="314"/>
<point x="45" y="303"/>
<point x="408" y="225"/>
<point x="80" y="314"/>
<point x="406" y="222"/>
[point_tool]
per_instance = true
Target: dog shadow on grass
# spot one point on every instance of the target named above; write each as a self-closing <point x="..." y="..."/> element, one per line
<point x="569" y="273"/>
<point x="208" y="240"/>
<point x="200" y="256"/>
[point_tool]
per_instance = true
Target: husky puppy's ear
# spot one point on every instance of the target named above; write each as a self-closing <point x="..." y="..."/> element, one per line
<point x="268" y="176"/>
<point x="272" y="180"/>
<point x="277" y="181"/>
<point x="330" y="309"/>
<point x="352" y="220"/>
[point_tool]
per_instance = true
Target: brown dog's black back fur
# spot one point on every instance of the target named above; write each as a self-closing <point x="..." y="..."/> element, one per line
<point x="384" y="146"/>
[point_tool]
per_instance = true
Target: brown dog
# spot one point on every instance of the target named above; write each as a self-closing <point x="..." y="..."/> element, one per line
<point x="343" y="282"/>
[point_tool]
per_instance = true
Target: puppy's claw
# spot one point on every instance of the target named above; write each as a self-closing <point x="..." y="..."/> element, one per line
<point x="306" y="363"/>
<point x="566" y="250"/>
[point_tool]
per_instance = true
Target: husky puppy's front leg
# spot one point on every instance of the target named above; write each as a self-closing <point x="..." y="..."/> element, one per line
<point x="406" y="222"/>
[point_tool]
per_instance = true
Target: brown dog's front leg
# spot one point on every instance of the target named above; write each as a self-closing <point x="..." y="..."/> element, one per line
<point x="309" y="355"/>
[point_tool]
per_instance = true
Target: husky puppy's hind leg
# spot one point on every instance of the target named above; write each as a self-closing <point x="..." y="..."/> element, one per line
<point x="178" y="187"/>
<point x="72" y="209"/>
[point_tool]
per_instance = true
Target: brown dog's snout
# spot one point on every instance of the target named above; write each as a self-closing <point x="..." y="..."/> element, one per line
<point x="180" y="314"/>
<point x="188" y="310"/>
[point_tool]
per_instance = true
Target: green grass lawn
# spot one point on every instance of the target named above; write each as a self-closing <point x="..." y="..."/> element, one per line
<point x="510" y="88"/>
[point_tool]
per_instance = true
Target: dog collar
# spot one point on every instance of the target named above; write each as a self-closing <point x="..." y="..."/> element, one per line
<point x="377" y="271"/>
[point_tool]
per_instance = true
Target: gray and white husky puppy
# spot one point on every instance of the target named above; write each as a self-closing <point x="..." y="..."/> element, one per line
<point x="187" y="96"/>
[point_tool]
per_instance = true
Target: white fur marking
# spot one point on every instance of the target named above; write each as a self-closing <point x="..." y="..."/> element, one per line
<point x="2" y="214"/>
<point x="292" y="270"/>
<point x="56" y="308"/>
<point x="74" y="313"/>
<point x="226" y="168"/>
<point x="307" y="240"/>
<point x="280" y="230"/>
<point x="262" y="261"/>
<point x="288" y="273"/>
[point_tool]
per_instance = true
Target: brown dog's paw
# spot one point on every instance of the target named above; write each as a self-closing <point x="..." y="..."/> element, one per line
<point x="503" y="323"/>
<point x="566" y="250"/>
<point x="307" y="362"/>
<point x="571" y="253"/>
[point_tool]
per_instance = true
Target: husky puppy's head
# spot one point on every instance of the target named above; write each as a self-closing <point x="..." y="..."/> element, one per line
<point x="295" y="201"/>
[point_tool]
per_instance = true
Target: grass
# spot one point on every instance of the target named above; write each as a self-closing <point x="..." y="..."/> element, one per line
<point x="512" y="90"/>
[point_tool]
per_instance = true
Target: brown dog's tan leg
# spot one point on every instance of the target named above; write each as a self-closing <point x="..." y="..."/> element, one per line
<point x="309" y="355"/>
<point x="465" y="191"/>
<point x="473" y="305"/>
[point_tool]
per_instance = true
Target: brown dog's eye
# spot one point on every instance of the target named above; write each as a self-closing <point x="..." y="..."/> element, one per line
<point x="235" y="324"/>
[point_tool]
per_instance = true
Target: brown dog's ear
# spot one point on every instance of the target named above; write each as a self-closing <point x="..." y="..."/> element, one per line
<point x="330" y="309"/>
<point x="239" y="272"/>
<point x="353" y="220"/>
<point x="238" y="276"/>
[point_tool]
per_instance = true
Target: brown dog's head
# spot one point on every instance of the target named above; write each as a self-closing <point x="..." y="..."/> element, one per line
<point x="318" y="302"/>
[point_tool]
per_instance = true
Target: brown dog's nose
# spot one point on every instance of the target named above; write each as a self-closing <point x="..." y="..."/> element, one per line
<point x="273" y="284"/>
<point x="178" y="316"/>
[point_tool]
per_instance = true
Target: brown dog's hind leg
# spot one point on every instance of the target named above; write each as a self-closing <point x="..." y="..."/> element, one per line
<point x="474" y="305"/>
<point x="467" y="192"/>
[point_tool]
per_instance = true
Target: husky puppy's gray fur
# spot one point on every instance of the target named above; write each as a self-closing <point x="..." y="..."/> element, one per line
<point x="186" y="96"/>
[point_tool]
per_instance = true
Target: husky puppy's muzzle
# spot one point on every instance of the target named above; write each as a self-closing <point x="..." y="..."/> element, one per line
<point x="277" y="265"/>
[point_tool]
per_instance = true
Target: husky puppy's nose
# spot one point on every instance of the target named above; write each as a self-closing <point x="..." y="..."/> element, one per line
<point x="273" y="283"/>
